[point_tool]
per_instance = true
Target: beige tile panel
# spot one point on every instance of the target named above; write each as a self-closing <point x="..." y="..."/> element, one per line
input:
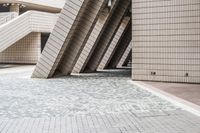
<point x="175" y="45"/>
<point x="167" y="49"/>
<point x="169" y="14"/>
<point x="166" y="40"/>
<point x="164" y="3"/>
<point x="170" y="55"/>
<point x="25" y="51"/>
<point x="167" y="78"/>
<point x="169" y="32"/>
<point x="114" y="43"/>
<point x="167" y="26"/>
<point x="167" y="73"/>
<point x="166" y="61"/>
<point x="169" y="20"/>
<point x="164" y="9"/>
<point x="172" y="67"/>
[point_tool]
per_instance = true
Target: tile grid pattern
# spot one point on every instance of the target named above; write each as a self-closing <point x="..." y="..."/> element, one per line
<point x="25" y="51"/>
<point x="125" y="41"/>
<point x="166" y="40"/>
<point x="114" y="43"/>
<point x="94" y="38"/>
<point x="59" y="38"/>
<point x="5" y="17"/>
<point x="108" y="35"/>
<point x="125" y="55"/>
<point x="26" y="23"/>
<point x="78" y="40"/>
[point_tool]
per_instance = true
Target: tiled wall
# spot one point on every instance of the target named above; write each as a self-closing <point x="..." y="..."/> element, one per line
<point x="94" y="38"/>
<point x="31" y="21"/>
<point x="25" y="51"/>
<point x="166" y="40"/>
<point x="104" y="41"/>
<point x="59" y="39"/>
<point x="5" y="17"/>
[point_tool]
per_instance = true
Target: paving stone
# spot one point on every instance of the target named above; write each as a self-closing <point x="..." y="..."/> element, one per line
<point x="102" y="102"/>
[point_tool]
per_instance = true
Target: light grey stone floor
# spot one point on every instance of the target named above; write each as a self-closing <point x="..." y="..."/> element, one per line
<point x="104" y="102"/>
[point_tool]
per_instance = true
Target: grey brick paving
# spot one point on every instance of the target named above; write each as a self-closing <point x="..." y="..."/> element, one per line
<point x="103" y="102"/>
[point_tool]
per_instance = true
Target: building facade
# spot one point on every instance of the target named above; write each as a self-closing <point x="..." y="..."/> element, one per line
<point x="23" y="28"/>
<point x="166" y="40"/>
<point x="160" y="38"/>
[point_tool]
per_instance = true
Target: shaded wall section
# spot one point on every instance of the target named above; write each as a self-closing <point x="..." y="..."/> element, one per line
<point x="166" y="40"/>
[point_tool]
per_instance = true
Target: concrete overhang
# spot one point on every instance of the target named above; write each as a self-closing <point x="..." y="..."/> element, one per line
<point x="41" y="5"/>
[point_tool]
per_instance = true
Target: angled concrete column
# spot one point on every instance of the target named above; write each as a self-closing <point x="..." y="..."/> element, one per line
<point x="59" y="38"/>
<point x="107" y="36"/>
<point x="125" y="41"/>
<point x="128" y="59"/>
<point x="94" y="38"/>
<point x="125" y="56"/>
<point x="114" y="43"/>
<point x="80" y="37"/>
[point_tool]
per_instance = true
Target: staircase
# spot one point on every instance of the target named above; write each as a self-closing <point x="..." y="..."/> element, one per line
<point x="19" y="27"/>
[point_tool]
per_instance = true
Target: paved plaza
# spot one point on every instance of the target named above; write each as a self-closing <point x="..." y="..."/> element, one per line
<point x="189" y="92"/>
<point x="103" y="102"/>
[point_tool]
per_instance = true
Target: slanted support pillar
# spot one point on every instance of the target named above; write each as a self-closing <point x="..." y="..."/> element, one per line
<point x="94" y="37"/>
<point x="74" y="26"/>
<point x="107" y="36"/>
<point x="125" y="41"/>
<point x="114" y="43"/>
<point x="125" y="56"/>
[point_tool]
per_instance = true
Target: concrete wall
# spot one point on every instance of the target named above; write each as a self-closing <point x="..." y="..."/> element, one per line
<point x="166" y="40"/>
<point x="25" y="51"/>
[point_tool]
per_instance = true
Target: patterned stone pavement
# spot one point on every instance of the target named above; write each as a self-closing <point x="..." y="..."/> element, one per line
<point x="103" y="102"/>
